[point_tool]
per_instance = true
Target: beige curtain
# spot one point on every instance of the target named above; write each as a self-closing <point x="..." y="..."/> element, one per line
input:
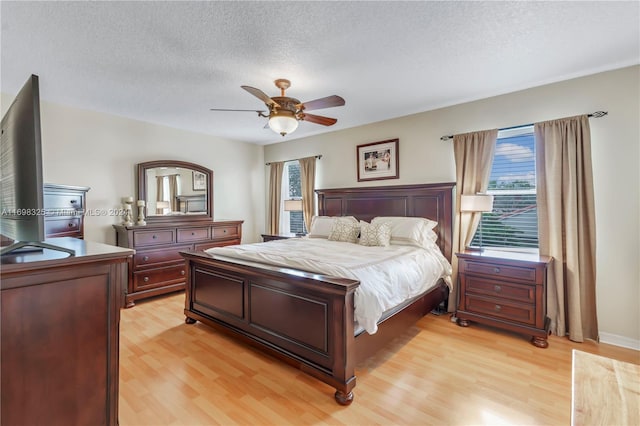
<point x="159" y="192"/>
<point x="275" y="196"/>
<point x="307" y="181"/>
<point x="473" y="154"/>
<point x="566" y="224"/>
<point x="174" y="191"/>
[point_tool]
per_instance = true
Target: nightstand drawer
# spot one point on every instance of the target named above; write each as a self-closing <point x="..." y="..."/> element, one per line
<point x="498" y="308"/>
<point x="498" y="289"/>
<point x="500" y="271"/>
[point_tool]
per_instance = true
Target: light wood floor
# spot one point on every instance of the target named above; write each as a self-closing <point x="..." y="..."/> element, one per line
<point x="436" y="373"/>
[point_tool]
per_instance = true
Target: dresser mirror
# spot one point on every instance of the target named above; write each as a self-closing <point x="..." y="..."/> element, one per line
<point x="175" y="191"/>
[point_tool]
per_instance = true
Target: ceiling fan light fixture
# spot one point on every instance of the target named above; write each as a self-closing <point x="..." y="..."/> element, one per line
<point x="283" y="122"/>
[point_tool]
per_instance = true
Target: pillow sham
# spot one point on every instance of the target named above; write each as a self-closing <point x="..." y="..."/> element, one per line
<point x="321" y="225"/>
<point x="344" y="229"/>
<point x="413" y="231"/>
<point x="378" y="234"/>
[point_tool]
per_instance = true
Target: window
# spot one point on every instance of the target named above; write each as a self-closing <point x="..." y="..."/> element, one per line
<point x="513" y="223"/>
<point x="292" y="221"/>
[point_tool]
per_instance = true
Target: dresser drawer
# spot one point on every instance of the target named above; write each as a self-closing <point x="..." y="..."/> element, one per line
<point x="153" y="238"/>
<point x="500" y="308"/>
<point x="62" y="227"/>
<point x="153" y="278"/>
<point x="527" y="274"/>
<point x="193" y="234"/>
<point x="63" y="201"/>
<point x="494" y="288"/>
<point x="158" y="257"/>
<point x="225" y="232"/>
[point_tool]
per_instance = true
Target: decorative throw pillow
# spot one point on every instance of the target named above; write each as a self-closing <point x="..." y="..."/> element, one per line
<point x="344" y="229"/>
<point x="374" y="234"/>
<point x="321" y="225"/>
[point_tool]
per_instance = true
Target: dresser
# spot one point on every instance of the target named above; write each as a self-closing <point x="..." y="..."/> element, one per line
<point x="60" y="319"/>
<point x="505" y="290"/>
<point x="157" y="267"/>
<point x="65" y="208"/>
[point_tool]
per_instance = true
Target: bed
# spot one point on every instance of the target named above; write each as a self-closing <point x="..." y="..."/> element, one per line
<point x="315" y="328"/>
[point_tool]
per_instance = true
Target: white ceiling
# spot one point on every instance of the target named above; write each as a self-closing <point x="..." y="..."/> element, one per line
<point x="169" y="62"/>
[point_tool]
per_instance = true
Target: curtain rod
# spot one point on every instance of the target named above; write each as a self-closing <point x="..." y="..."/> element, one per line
<point x="295" y="159"/>
<point x="596" y="114"/>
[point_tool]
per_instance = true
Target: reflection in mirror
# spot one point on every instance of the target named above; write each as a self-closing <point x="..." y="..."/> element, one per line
<point x="175" y="190"/>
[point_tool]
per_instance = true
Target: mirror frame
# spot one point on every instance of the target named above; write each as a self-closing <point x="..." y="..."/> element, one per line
<point x="142" y="190"/>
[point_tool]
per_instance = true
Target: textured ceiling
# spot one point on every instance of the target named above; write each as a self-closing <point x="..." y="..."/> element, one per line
<point x="169" y="62"/>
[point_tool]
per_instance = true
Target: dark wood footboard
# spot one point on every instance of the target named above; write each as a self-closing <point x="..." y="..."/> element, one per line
<point x="308" y="319"/>
<point x="302" y="318"/>
<point x="305" y="319"/>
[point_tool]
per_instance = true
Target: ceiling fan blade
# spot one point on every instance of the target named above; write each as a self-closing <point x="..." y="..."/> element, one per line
<point x="319" y="119"/>
<point x="261" y="95"/>
<point x="247" y="110"/>
<point x="328" y="102"/>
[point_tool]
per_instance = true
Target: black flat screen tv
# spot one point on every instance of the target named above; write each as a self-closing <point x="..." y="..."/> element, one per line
<point x="21" y="184"/>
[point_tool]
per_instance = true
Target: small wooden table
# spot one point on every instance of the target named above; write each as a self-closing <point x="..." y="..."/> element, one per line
<point x="604" y="391"/>
<point x="272" y="237"/>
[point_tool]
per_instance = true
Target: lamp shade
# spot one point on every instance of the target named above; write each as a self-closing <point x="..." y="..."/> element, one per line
<point x="283" y="122"/>
<point x="476" y="203"/>
<point x="293" y="205"/>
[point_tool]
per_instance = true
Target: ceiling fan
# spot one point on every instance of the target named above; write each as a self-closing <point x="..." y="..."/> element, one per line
<point x="284" y="112"/>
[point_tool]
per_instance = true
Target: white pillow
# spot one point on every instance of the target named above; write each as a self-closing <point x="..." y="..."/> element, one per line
<point x="344" y="229"/>
<point x="378" y="234"/>
<point x="412" y="231"/>
<point x="321" y="225"/>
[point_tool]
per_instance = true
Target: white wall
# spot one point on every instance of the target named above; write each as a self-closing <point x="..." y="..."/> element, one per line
<point x="99" y="150"/>
<point x="615" y="150"/>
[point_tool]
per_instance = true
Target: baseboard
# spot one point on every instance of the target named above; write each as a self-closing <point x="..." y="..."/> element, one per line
<point x="625" y="342"/>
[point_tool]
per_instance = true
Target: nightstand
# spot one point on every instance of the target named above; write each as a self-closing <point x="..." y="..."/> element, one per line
<point x="505" y="290"/>
<point x="272" y="237"/>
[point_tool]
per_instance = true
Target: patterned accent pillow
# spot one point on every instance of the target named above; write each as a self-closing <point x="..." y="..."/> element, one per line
<point x="378" y="234"/>
<point x="344" y="230"/>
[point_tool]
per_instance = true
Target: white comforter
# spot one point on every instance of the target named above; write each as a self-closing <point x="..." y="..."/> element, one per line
<point x="388" y="275"/>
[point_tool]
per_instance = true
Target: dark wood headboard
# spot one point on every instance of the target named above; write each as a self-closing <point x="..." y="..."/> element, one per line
<point x="433" y="201"/>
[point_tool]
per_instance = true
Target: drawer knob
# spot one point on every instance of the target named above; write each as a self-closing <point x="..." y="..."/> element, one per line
<point x="496" y="270"/>
<point x="193" y="233"/>
<point x="181" y="272"/>
<point x="498" y="308"/>
<point x="497" y="288"/>
<point x="145" y="258"/>
<point x="154" y="237"/>
<point x="73" y="201"/>
<point x="224" y="230"/>
<point x="146" y="279"/>
<point x="70" y="225"/>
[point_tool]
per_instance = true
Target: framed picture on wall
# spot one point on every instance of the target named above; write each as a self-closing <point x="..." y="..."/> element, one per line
<point x="378" y="160"/>
<point x="199" y="181"/>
